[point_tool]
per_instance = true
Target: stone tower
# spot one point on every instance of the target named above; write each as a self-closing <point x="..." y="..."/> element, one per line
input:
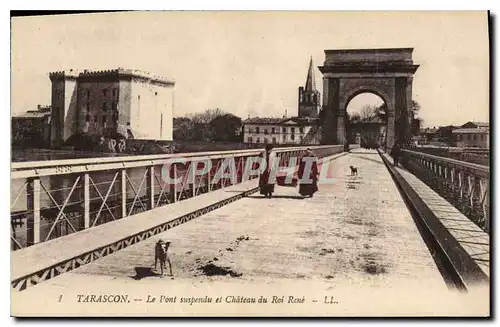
<point x="64" y="106"/>
<point x="309" y="97"/>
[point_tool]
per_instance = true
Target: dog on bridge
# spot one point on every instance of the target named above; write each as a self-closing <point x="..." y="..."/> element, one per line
<point x="354" y="170"/>
<point x="161" y="254"/>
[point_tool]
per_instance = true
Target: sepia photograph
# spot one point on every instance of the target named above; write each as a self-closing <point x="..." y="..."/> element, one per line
<point x="250" y="164"/>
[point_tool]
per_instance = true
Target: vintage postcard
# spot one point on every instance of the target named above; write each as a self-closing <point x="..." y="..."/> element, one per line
<point x="313" y="163"/>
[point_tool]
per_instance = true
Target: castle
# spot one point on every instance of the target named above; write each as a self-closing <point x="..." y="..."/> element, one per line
<point x="121" y="101"/>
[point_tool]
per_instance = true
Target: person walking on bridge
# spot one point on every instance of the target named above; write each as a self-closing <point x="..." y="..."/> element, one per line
<point x="396" y="153"/>
<point x="308" y="174"/>
<point x="267" y="186"/>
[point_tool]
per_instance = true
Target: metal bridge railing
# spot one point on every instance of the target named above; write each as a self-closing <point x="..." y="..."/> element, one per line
<point x="465" y="185"/>
<point x="51" y="199"/>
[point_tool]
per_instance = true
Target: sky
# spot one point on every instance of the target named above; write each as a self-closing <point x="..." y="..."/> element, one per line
<point x="252" y="63"/>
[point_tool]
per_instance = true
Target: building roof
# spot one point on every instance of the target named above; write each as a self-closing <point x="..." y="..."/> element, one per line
<point x="299" y="121"/>
<point x="280" y="121"/>
<point x="476" y="123"/>
<point x="470" y="131"/>
<point x="86" y="73"/>
<point x="32" y="115"/>
<point x="41" y="112"/>
<point x="263" y="120"/>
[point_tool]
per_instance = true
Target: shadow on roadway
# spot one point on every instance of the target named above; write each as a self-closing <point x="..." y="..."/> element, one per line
<point x="143" y="272"/>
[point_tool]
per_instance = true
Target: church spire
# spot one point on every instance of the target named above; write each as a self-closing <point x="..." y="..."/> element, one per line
<point x="310" y="81"/>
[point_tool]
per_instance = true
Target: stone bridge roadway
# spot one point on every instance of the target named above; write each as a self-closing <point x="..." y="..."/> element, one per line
<point x="356" y="233"/>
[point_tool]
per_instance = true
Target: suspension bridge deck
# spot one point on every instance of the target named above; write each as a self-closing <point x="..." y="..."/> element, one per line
<point x="355" y="236"/>
<point x="356" y="229"/>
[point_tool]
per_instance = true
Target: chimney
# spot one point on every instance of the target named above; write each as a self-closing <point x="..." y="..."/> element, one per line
<point x="285" y="114"/>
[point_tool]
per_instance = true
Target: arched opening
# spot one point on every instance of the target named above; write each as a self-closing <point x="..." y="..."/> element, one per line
<point x="366" y="120"/>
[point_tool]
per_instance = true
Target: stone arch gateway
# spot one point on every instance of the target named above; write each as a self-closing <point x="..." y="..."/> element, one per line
<point x="387" y="73"/>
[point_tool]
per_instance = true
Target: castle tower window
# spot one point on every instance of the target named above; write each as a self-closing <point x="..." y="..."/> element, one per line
<point x="104" y="106"/>
<point x="105" y="93"/>
<point x="96" y="119"/>
<point x="115" y="91"/>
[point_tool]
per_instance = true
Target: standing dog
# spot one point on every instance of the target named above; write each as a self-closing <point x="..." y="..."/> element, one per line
<point x="354" y="170"/>
<point x="161" y="254"/>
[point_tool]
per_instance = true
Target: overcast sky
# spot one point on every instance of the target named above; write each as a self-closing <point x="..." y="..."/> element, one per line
<point x="253" y="63"/>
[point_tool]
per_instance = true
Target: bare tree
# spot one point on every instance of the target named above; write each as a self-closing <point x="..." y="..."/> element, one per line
<point x="196" y="127"/>
<point x="367" y="112"/>
<point x="354" y="118"/>
<point x="415" y="108"/>
<point x="207" y="116"/>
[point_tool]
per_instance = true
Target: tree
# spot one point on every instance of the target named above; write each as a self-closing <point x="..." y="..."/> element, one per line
<point x="415" y="126"/>
<point x="201" y="123"/>
<point x="415" y="108"/>
<point x="197" y="127"/>
<point x="367" y="112"/>
<point x="207" y="116"/>
<point x="183" y="129"/>
<point x="354" y="118"/>
<point x="381" y="111"/>
<point x="225" y="127"/>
